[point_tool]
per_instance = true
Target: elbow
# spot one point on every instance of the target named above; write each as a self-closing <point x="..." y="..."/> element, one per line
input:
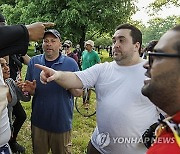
<point x="76" y="92"/>
<point x="79" y="94"/>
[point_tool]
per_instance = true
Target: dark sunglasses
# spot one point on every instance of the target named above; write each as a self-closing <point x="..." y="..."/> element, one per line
<point x="66" y="46"/>
<point x="159" y="54"/>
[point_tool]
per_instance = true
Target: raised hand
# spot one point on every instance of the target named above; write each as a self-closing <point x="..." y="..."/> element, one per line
<point x="29" y="87"/>
<point x="36" y="30"/>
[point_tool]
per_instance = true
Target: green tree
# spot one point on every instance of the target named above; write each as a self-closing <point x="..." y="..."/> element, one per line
<point x="75" y="18"/>
<point x="158" y="4"/>
<point x="157" y="27"/>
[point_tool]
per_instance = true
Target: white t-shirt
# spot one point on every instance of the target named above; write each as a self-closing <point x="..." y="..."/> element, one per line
<point x="5" y="131"/>
<point x="123" y="113"/>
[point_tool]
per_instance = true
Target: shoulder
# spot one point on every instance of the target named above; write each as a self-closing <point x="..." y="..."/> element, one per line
<point x="36" y="59"/>
<point x="69" y="62"/>
<point x="95" y="52"/>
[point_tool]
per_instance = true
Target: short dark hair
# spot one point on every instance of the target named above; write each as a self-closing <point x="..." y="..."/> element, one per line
<point x="177" y="44"/>
<point x="135" y="33"/>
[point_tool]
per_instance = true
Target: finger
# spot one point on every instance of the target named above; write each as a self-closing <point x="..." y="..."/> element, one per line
<point x="49" y="24"/>
<point x="43" y="81"/>
<point x="43" y="78"/>
<point x="44" y="68"/>
<point x="34" y="83"/>
<point x="52" y="78"/>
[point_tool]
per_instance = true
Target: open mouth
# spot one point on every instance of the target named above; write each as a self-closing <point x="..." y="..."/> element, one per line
<point x="147" y="80"/>
<point x="48" y="49"/>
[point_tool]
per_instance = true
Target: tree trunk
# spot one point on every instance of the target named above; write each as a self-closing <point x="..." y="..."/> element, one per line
<point x="83" y="37"/>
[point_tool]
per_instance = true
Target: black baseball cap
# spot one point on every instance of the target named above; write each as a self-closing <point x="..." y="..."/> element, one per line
<point x="54" y="32"/>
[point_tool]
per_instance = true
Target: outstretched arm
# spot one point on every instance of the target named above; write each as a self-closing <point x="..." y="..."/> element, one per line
<point x="67" y="80"/>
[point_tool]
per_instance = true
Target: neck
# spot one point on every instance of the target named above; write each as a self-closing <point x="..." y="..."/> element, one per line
<point x="51" y="58"/>
<point x="130" y="61"/>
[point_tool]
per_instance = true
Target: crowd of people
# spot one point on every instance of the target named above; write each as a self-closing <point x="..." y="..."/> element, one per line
<point x="132" y="93"/>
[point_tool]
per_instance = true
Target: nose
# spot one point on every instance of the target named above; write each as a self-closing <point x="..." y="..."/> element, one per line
<point x="6" y="68"/>
<point x="146" y="65"/>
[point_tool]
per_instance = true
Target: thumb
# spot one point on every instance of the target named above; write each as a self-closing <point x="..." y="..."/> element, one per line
<point x="51" y="78"/>
<point x="34" y="82"/>
<point x="49" y="24"/>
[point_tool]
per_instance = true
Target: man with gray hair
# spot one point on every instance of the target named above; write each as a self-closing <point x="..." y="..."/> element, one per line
<point x="52" y="105"/>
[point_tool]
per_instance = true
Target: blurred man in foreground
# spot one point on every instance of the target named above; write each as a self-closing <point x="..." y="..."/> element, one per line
<point x="163" y="88"/>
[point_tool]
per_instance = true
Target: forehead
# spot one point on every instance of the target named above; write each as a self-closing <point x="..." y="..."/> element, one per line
<point x="2" y="60"/>
<point x="122" y="32"/>
<point x="167" y="41"/>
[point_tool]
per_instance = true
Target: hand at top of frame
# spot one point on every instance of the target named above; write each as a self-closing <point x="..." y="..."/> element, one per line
<point x="47" y="74"/>
<point x="36" y="30"/>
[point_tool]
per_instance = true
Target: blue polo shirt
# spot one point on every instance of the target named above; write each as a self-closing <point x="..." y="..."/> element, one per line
<point x="52" y="105"/>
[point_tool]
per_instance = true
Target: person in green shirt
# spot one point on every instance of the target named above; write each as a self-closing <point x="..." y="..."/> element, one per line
<point x="89" y="56"/>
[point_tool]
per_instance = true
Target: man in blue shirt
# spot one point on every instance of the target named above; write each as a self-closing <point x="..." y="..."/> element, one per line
<point x="52" y="105"/>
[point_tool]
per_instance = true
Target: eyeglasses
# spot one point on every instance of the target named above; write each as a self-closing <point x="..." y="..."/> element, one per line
<point x="66" y="46"/>
<point x="160" y="54"/>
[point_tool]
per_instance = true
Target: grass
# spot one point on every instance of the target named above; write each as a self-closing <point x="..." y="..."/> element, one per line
<point x="82" y="126"/>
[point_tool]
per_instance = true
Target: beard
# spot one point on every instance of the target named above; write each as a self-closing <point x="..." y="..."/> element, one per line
<point x="162" y="90"/>
<point x="122" y="58"/>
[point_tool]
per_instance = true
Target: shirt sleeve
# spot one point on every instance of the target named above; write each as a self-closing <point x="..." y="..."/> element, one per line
<point x="13" y="40"/>
<point x="89" y="77"/>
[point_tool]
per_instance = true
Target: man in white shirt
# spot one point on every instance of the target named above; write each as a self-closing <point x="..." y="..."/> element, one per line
<point x="123" y="113"/>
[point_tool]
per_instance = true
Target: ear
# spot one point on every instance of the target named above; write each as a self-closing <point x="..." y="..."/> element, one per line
<point x="137" y="47"/>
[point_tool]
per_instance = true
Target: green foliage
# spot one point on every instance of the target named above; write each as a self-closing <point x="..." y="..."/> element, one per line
<point x="75" y="18"/>
<point x="157" y="27"/>
<point x="158" y="4"/>
<point x="11" y="2"/>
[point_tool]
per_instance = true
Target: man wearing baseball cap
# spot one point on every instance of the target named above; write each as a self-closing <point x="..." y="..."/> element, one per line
<point x="52" y="105"/>
<point x="89" y="56"/>
<point x="67" y="46"/>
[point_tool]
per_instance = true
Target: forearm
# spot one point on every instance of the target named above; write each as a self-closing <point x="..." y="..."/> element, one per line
<point x="26" y="59"/>
<point x="14" y="39"/>
<point x="68" y="80"/>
